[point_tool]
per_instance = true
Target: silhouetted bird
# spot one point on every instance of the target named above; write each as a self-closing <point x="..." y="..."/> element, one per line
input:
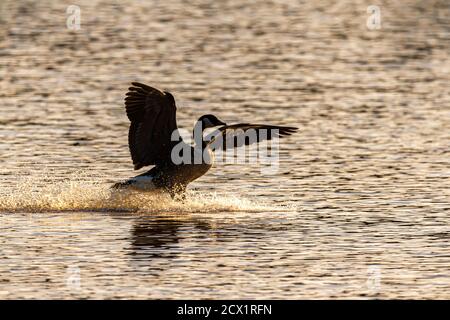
<point x="154" y="140"/>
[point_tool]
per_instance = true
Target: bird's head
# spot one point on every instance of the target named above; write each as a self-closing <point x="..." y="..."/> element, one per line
<point x="204" y="122"/>
<point x="210" y="121"/>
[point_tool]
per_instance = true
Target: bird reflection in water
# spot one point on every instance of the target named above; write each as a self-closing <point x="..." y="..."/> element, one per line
<point x="159" y="237"/>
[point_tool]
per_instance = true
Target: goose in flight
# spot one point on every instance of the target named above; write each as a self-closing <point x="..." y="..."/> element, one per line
<point x="153" y="140"/>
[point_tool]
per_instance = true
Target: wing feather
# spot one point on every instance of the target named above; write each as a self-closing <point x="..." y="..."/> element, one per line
<point x="153" y="119"/>
<point x="238" y="135"/>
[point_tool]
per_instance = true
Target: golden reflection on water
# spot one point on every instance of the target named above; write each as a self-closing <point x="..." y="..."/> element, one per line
<point x="358" y="209"/>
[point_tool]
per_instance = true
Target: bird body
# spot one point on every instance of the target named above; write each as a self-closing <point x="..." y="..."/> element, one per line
<point x="153" y="140"/>
<point x="169" y="177"/>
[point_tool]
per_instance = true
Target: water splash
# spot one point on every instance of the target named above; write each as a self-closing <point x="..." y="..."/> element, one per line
<point x="75" y="194"/>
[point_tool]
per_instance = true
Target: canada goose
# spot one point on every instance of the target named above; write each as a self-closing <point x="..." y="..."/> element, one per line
<point x="153" y="138"/>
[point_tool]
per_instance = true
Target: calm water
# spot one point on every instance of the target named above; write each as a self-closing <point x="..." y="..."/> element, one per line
<point x="358" y="209"/>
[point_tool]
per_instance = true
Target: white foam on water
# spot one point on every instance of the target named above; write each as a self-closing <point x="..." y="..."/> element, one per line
<point x="43" y="195"/>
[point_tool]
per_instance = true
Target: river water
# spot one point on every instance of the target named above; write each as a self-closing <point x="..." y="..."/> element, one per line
<point x="359" y="205"/>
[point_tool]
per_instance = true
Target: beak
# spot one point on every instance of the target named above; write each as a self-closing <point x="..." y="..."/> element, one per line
<point x="221" y="123"/>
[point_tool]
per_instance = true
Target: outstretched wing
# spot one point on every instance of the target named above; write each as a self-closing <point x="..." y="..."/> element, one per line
<point x="238" y="135"/>
<point x="153" y="119"/>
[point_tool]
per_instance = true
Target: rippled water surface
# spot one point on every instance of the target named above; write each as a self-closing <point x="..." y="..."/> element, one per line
<point x="359" y="207"/>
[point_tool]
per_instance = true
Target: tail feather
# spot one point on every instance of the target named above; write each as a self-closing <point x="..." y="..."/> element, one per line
<point x="122" y="185"/>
